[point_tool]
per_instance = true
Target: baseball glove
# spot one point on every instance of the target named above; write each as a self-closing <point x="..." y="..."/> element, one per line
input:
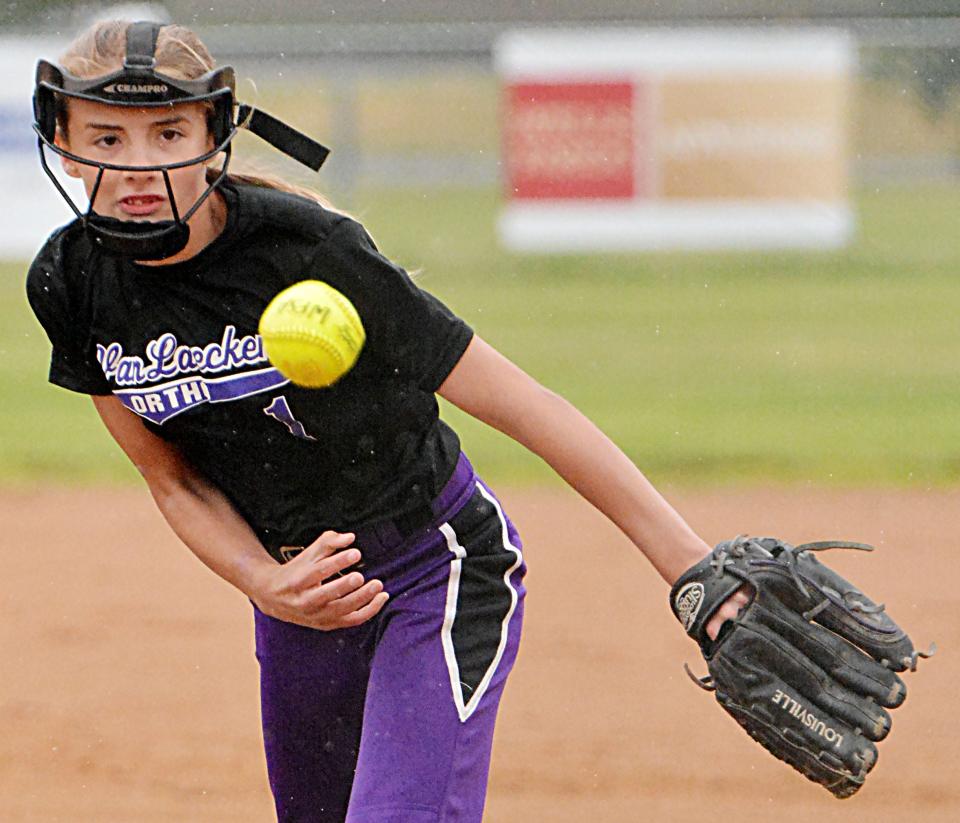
<point x="807" y="667"/>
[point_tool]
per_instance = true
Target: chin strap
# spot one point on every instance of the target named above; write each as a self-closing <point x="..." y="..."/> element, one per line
<point x="278" y="134"/>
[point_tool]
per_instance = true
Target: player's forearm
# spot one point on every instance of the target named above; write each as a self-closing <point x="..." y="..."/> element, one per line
<point x="315" y="589"/>
<point x="212" y="529"/>
<point x="593" y="465"/>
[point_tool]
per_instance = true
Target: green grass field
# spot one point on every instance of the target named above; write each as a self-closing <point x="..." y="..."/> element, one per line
<point x="811" y="368"/>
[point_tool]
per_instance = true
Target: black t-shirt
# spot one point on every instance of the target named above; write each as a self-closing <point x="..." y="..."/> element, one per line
<point x="178" y="345"/>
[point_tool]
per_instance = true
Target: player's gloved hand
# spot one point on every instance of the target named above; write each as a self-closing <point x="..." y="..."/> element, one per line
<point x="808" y="664"/>
<point x="314" y="589"/>
<point x="728" y="611"/>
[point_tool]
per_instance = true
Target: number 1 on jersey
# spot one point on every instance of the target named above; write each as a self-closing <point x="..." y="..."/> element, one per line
<point x="279" y="410"/>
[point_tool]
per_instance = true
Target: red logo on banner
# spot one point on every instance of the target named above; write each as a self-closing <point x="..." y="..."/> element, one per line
<point x="570" y="140"/>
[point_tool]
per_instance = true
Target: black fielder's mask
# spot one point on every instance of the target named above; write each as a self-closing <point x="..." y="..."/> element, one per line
<point x="139" y="85"/>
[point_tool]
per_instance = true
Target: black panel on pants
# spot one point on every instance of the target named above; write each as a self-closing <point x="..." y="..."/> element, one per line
<point x="484" y="599"/>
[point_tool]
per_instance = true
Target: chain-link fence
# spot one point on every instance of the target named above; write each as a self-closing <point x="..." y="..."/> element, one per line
<point x="417" y="106"/>
<point x="411" y="99"/>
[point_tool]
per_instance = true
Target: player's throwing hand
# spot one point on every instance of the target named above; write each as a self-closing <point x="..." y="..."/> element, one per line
<point x="317" y="589"/>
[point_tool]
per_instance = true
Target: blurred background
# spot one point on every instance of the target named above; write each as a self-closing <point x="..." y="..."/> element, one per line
<point x="830" y="363"/>
<point x="727" y="231"/>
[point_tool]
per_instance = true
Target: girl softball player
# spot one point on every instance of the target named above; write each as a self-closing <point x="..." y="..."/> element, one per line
<point x="385" y="576"/>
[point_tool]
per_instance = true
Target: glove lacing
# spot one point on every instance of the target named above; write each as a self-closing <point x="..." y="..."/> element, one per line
<point x="790" y="556"/>
<point x="725" y="553"/>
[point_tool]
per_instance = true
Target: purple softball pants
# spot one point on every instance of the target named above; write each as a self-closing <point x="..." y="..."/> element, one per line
<point x="392" y="721"/>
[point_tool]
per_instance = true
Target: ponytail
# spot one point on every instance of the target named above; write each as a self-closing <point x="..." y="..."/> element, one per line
<point x="250" y="175"/>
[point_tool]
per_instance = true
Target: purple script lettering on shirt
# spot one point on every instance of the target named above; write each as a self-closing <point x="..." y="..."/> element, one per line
<point x="167" y="358"/>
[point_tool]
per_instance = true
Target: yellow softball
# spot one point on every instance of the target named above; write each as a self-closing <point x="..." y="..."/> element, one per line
<point x="312" y="334"/>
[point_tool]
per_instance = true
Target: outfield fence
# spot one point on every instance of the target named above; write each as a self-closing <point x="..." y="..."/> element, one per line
<point x="419" y="104"/>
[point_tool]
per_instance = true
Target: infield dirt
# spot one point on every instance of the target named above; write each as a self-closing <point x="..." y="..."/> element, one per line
<point x="129" y="688"/>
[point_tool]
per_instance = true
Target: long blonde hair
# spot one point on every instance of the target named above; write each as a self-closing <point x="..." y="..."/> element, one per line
<point x="101" y="48"/>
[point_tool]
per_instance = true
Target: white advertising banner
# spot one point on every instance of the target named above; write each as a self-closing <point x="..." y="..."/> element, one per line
<point x="690" y="138"/>
<point x="32" y="206"/>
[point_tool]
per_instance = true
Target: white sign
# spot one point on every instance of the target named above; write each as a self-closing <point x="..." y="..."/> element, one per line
<point x="689" y="138"/>
<point x="32" y="207"/>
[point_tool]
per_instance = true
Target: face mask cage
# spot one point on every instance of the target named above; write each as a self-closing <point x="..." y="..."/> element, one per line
<point x="144" y="240"/>
<point x="139" y="85"/>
